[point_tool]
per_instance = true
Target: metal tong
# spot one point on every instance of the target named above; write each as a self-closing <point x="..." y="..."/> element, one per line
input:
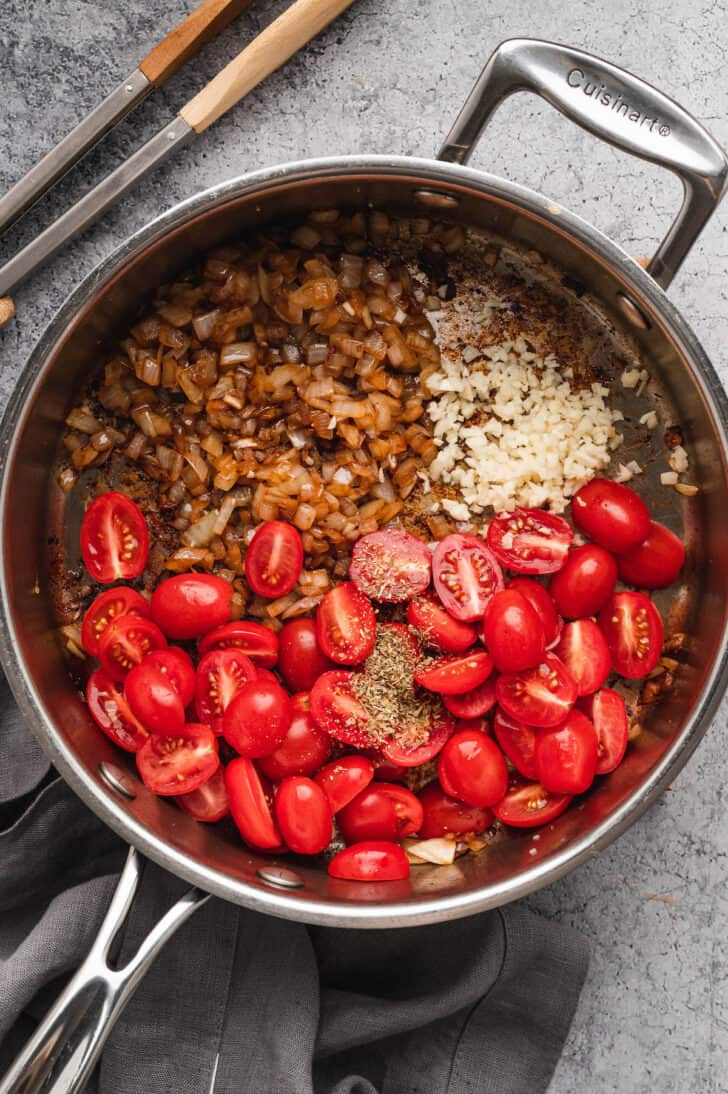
<point x="271" y="49"/>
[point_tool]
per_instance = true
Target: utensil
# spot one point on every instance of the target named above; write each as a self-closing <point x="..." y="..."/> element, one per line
<point x="200" y="27"/>
<point x="571" y="262"/>
<point x="271" y="49"/>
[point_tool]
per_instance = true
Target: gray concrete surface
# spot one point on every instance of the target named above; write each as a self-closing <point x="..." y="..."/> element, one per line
<point x="389" y="77"/>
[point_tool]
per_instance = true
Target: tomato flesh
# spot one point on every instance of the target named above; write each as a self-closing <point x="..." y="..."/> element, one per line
<point x="540" y="600"/>
<point x="473" y="704"/>
<point x="110" y="710"/>
<point x="530" y="541"/>
<point x="114" y="538"/>
<point x="446" y="816"/>
<point x="250" y="805"/>
<point x="656" y="562"/>
<point x="455" y="675"/>
<point x="471" y="768"/>
<point x="220" y="676"/>
<point x="189" y="605"/>
<point x="178" y="667"/>
<point x="384" y="811"/>
<point x="512" y="632"/>
<point x="584" y="651"/>
<point x="126" y="642"/>
<point x="436" y="628"/>
<point x="153" y="699"/>
<point x="566" y="755"/>
<point x="611" y="514"/>
<point x="209" y="803"/>
<point x="337" y="711"/>
<point x="178" y="764"/>
<point x="528" y="804"/>
<point x="254" y="640"/>
<point x="390" y="565"/>
<point x="107" y="606"/>
<point x="466" y="573"/>
<point x="518" y="742"/>
<point x="401" y="754"/>
<point x="633" y="629"/>
<point x="373" y="860"/>
<point x="301" y="659"/>
<point x="303" y="815"/>
<point x="541" y="696"/>
<point x="585" y="583"/>
<point x="343" y="779"/>
<point x="304" y="748"/>
<point x="346" y="627"/>
<point x="274" y="559"/>
<point x="607" y="712"/>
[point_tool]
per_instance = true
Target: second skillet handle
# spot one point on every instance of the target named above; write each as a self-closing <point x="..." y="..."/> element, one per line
<point x="63" y="1051"/>
<point x="615" y="106"/>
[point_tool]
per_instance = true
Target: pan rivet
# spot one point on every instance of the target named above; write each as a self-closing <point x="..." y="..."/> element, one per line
<point x="635" y="315"/>
<point x="280" y="876"/>
<point x="433" y="199"/>
<point x="117" y="779"/>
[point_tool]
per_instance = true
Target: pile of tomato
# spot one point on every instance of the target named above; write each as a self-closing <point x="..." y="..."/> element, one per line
<point x="513" y="671"/>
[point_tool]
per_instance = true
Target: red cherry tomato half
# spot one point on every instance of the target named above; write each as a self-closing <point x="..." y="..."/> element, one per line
<point x="584" y="652"/>
<point x="274" y="559"/>
<point x="541" y="696"/>
<point x="374" y="860"/>
<point x="346" y="627"/>
<point x="337" y="711"/>
<point x="585" y="583"/>
<point x="528" y="804"/>
<point x="209" y="803"/>
<point x="107" y="606"/>
<point x="178" y="667"/>
<point x="303" y="814"/>
<point x="254" y="640"/>
<point x="566" y="755"/>
<point x="540" y="600"/>
<point x="301" y="660"/>
<point x="475" y="703"/>
<point x="189" y="605"/>
<point x="471" y="768"/>
<point x="303" y="749"/>
<point x="633" y="629"/>
<point x="382" y="811"/>
<point x="221" y="674"/>
<point x="530" y="541"/>
<point x="611" y="514"/>
<point x="446" y="816"/>
<point x="390" y="565"/>
<point x="110" y="710"/>
<point x="466" y="574"/>
<point x="607" y="712"/>
<point x="114" y="538"/>
<point x="126" y="642"/>
<point x="436" y="628"/>
<point x="257" y="720"/>
<point x="512" y="632"/>
<point x="178" y="764"/>
<point x="250" y="804"/>
<point x="455" y="675"/>
<point x="154" y="700"/>
<point x="401" y="754"/>
<point x="343" y="779"/>
<point x="518" y="742"/>
<point x="657" y="561"/>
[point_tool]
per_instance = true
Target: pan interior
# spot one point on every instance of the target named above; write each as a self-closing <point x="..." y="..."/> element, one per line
<point x="561" y="296"/>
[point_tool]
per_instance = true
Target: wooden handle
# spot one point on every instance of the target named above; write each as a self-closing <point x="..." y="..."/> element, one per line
<point x="7" y="310"/>
<point x="200" y="26"/>
<point x="272" y="48"/>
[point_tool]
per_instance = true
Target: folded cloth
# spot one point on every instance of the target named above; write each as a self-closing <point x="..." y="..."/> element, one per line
<point x="242" y="1002"/>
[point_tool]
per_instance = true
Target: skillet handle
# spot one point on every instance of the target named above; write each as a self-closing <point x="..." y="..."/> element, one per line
<point x="615" y="106"/>
<point x="63" y="1051"/>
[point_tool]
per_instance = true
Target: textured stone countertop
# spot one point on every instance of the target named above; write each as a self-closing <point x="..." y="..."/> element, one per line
<point x="390" y="77"/>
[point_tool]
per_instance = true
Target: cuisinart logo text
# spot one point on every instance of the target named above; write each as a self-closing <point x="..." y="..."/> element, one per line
<point x="613" y="100"/>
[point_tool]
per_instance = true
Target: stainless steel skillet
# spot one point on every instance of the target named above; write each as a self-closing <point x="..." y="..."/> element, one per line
<point x="603" y="284"/>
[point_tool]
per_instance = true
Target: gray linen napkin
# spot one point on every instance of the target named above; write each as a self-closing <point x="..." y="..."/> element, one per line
<point x="269" y="1007"/>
